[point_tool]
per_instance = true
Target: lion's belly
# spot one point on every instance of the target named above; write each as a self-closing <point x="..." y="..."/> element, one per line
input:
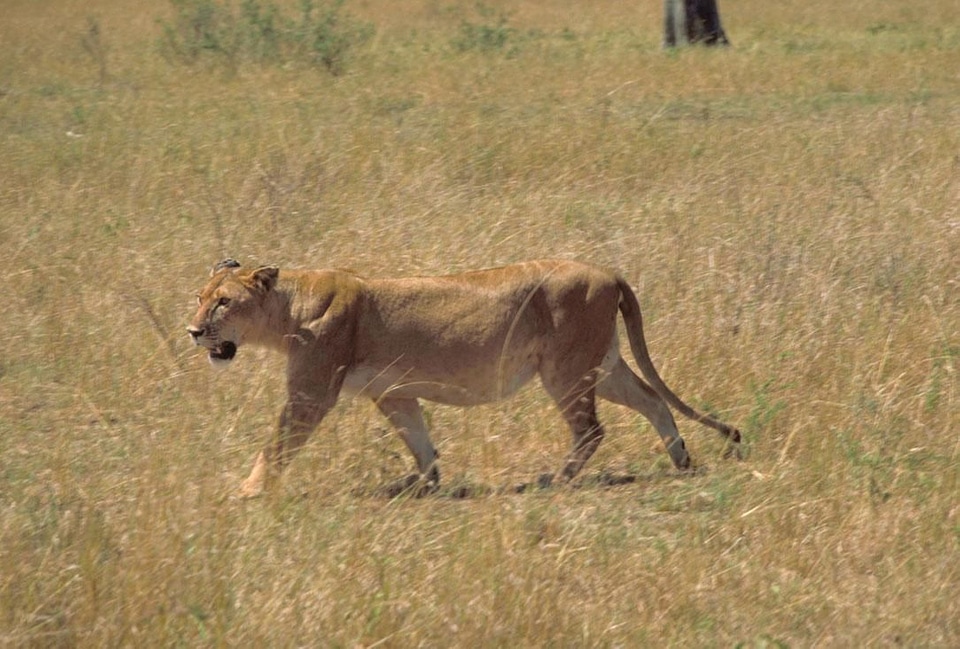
<point x="464" y="386"/>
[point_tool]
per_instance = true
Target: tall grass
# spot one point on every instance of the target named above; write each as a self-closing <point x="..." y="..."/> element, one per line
<point x="787" y="210"/>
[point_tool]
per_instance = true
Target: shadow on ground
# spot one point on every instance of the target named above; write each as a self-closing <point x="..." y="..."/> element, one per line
<point x="413" y="486"/>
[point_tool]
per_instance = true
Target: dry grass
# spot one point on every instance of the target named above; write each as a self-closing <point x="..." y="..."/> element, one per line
<point x="786" y="208"/>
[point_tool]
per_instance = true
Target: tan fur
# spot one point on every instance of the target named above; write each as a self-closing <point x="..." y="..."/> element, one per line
<point x="460" y="339"/>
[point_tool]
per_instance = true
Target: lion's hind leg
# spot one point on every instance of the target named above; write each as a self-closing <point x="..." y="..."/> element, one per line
<point x="577" y="404"/>
<point x="623" y="387"/>
<point x="407" y="419"/>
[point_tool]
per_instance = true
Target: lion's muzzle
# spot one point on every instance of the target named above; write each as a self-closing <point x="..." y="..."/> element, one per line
<point x="222" y="351"/>
<point x="225" y="351"/>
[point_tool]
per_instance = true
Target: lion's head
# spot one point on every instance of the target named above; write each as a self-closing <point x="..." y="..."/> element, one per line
<point x="228" y="306"/>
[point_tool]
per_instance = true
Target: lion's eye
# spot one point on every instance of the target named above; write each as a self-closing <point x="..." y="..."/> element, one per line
<point x="224" y="301"/>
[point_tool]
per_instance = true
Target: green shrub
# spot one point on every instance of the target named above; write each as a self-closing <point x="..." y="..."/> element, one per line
<point x="326" y="36"/>
<point x="490" y="35"/>
<point x="260" y="32"/>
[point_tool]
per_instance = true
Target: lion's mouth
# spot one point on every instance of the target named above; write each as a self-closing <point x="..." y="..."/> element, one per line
<point x="225" y="351"/>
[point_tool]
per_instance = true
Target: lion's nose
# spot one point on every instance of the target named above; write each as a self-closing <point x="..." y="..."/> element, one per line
<point x="195" y="333"/>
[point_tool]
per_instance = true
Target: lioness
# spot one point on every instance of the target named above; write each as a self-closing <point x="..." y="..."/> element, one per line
<point x="461" y="339"/>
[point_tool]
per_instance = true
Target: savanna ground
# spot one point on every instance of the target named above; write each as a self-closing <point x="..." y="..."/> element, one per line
<point x="786" y="208"/>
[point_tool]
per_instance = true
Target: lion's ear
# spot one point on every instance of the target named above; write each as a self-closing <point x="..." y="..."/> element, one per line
<point x="226" y="263"/>
<point x="265" y="277"/>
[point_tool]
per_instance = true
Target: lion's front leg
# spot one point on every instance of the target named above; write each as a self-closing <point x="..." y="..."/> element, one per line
<point x="299" y="418"/>
<point x="256" y="482"/>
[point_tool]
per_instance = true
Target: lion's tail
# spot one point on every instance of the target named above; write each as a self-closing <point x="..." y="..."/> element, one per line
<point x="630" y="309"/>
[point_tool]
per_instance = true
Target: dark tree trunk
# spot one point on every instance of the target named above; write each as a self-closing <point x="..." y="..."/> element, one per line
<point x="692" y="21"/>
